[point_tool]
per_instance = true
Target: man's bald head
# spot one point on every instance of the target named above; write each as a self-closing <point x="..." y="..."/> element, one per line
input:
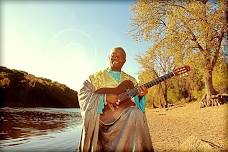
<point x="117" y="58"/>
<point x="118" y="49"/>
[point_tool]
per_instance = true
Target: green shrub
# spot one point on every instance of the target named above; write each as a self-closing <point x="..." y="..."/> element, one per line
<point x="173" y="96"/>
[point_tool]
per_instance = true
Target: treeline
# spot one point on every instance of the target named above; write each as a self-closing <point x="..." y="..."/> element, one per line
<point x="183" y="88"/>
<point x="21" y="89"/>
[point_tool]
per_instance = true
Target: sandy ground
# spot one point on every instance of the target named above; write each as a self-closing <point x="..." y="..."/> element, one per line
<point x="170" y="128"/>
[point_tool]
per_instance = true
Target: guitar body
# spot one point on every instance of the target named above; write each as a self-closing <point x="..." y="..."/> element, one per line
<point x="109" y="116"/>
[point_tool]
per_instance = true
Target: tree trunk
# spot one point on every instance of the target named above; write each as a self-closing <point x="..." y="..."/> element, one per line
<point x="209" y="84"/>
<point x="165" y="90"/>
<point x="163" y="95"/>
<point x="210" y="94"/>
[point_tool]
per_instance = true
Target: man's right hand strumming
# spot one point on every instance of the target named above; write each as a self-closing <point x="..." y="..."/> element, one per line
<point x="112" y="101"/>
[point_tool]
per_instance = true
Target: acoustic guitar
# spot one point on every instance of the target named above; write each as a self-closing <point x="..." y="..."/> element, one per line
<point x="126" y="91"/>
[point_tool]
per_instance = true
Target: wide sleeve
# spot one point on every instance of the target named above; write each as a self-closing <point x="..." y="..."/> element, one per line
<point x="88" y="101"/>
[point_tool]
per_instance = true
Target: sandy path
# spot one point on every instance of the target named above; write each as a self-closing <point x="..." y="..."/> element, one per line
<point x="170" y="128"/>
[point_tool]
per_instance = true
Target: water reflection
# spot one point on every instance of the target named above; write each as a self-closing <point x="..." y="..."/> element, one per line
<point x="31" y="126"/>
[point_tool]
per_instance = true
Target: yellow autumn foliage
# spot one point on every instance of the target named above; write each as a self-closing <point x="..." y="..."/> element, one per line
<point x="183" y="32"/>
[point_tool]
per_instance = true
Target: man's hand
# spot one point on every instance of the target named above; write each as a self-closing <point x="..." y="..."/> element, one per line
<point x="112" y="101"/>
<point x="142" y="91"/>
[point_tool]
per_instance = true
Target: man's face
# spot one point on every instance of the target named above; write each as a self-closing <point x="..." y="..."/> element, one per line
<point x="117" y="59"/>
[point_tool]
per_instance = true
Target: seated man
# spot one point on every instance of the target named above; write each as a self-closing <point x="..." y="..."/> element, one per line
<point x="129" y="132"/>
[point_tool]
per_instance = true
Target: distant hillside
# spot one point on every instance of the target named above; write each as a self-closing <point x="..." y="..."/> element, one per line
<point x="21" y="89"/>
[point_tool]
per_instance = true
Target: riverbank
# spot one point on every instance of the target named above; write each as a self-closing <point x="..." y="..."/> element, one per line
<point x="172" y="128"/>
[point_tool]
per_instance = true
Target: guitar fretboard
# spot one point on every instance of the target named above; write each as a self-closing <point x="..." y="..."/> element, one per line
<point x="158" y="80"/>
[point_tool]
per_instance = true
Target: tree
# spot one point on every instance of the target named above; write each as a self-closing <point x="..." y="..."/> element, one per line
<point x="186" y="29"/>
<point x="157" y="63"/>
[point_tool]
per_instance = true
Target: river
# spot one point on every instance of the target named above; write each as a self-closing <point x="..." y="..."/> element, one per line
<point x="39" y="129"/>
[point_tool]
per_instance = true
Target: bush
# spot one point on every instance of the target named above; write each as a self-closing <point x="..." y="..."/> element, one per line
<point x="198" y="94"/>
<point x="173" y="96"/>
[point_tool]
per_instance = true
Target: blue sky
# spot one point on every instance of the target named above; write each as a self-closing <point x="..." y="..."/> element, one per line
<point x="66" y="41"/>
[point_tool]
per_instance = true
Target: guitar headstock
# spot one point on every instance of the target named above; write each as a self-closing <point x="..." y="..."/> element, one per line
<point x="181" y="71"/>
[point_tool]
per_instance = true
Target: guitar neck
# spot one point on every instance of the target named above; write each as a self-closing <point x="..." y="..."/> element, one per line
<point x="158" y="80"/>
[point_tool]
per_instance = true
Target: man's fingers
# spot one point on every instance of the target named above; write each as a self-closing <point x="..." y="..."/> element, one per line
<point x="116" y="106"/>
<point x="111" y="107"/>
<point x="111" y="98"/>
<point x="142" y="90"/>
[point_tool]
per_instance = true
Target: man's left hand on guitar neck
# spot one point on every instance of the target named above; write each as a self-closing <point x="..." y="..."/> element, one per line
<point x="142" y="91"/>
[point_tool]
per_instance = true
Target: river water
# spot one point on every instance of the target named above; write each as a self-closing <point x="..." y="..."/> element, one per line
<point x="39" y="129"/>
